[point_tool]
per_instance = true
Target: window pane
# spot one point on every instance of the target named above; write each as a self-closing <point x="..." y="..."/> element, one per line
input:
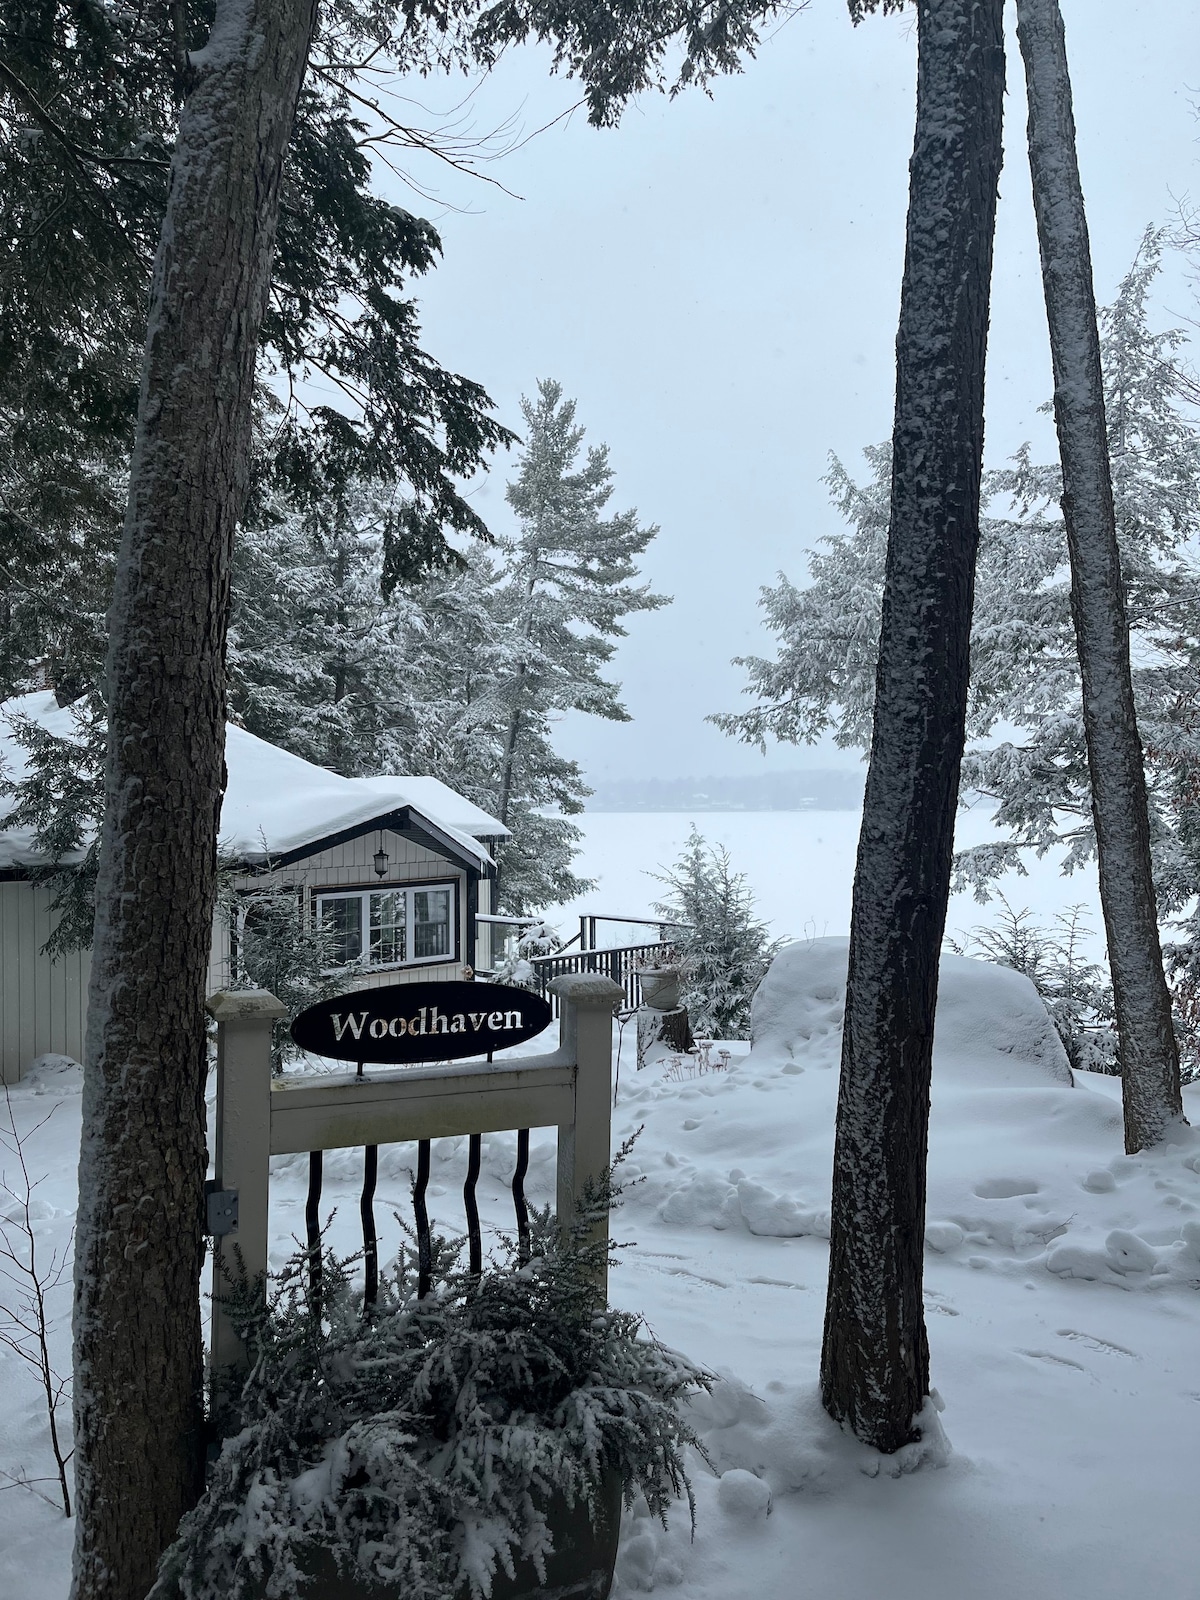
<point x="431" y="923"/>
<point x="387" y="926"/>
<point x="341" y="918"/>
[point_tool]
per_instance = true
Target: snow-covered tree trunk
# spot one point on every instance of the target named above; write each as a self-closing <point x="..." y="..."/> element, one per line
<point x="138" y="1372"/>
<point x="1149" y="1058"/>
<point x="875" y="1359"/>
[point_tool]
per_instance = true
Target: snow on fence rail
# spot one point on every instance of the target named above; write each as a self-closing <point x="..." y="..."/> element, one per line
<point x="258" y="1116"/>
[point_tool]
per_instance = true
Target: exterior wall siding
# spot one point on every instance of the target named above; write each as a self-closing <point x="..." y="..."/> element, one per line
<point x="43" y="1003"/>
<point x="352" y="866"/>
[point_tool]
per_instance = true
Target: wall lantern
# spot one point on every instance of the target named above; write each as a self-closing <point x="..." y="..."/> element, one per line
<point x="381" y="860"/>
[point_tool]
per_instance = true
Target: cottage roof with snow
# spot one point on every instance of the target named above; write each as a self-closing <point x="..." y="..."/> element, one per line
<point x="398" y="871"/>
<point x="278" y="807"/>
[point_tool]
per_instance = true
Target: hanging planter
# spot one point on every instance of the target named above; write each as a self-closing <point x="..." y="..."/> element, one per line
<point x="660" y="987"/>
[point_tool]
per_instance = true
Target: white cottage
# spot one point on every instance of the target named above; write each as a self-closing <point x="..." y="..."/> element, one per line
<point x="398" y="868"/>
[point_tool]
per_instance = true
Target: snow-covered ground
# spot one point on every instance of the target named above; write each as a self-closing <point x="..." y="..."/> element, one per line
<point x="1062" y="1289"/>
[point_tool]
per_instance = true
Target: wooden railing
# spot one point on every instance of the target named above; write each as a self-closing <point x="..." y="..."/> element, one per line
<point x="259" y="1116"/>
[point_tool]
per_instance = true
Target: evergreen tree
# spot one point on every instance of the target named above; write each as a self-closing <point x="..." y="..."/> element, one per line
<point x="1075" y="991"/>
<point x="92" y="97"/>
<point x="317" y="660"/>
<point x="463" y="674"/>
<point x="724" y="949"/>
<point x="567" y="581"/>
<point x="59" y="797"/>
<point x="1024" y="665"/>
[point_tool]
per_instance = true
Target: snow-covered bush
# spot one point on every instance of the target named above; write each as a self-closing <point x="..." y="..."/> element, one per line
<point x="1076" y="992"/>
<point x="420" y="1442"/>
<point x="723" y="948"/>
<point x="520" y="950"/>
<point x="280" y="947"/>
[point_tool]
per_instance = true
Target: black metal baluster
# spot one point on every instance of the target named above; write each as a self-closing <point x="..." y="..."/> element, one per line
<point x="518" y="1194"/>
<point x="474" y="1237"/>
<point x="367" y="1211"/>
<point x="424" y="1242"/>
<point x="312" y="1220"/>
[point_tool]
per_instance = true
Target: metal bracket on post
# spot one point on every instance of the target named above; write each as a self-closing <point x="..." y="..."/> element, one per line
<point x="220" y="1210"/>
<point x="588" y="1003"/>
<point x="242" y="1152"/>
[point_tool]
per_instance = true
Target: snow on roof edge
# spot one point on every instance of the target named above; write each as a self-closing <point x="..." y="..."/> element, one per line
<point x="276" y="803"/>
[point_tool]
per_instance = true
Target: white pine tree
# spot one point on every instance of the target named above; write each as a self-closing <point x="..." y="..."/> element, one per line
<point x="568" y="579"/>
<point x="1024" y="666"/>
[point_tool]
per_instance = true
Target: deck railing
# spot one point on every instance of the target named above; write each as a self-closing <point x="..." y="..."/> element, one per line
<point x="620" y="965"/>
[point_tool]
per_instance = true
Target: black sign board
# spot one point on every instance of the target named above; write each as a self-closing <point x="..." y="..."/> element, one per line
<point x="407" y="1022"/>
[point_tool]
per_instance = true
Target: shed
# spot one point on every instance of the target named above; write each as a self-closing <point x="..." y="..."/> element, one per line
<point x="397" y="868"/>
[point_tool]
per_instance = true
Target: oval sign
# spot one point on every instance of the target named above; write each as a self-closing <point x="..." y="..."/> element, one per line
<point x="400" y="1023"/>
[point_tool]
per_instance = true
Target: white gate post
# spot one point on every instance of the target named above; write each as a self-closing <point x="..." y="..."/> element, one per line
<point x="588" y="1001"/>
<point x="238" y="1207"/>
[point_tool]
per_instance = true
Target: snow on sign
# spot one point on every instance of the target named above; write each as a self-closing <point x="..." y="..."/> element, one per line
<point x="406" y="1022"/>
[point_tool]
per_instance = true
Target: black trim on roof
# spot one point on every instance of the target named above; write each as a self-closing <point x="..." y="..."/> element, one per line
<point x="423" y="831"/>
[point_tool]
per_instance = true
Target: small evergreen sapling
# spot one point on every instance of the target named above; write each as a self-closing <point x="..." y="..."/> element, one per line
<point x="279" y="945"/>
<point x="419" y="1444"/>
<point x="724" y="949"/>
<point x="59" y="798"/>
<point x="1076" y="992"/>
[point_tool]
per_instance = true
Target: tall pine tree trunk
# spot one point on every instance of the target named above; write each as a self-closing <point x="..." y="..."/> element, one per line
<point x="138" y="1372"/>
<point x="875" y="1358"/>
<point x="1149" y="1057"/>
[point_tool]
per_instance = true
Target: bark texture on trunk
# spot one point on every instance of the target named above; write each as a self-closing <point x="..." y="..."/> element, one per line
<point x="1149" y="1058"/>
<point x="138" y="1372"/>
<point x="875" y="1357"/>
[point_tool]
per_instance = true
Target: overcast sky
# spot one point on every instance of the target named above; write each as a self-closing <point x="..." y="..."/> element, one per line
<point x="717" y="282"/>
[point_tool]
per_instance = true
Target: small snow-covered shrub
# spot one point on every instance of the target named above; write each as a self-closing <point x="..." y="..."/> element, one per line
<point x="514" y="966"/>
<point x="419" y="1444"/>
<point x="281" y="948"/>
<point x="723" y="948"/>
<point x="1077" y="993"/>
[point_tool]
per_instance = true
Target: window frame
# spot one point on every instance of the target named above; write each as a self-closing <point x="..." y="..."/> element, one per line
<point x="362" y="893"/>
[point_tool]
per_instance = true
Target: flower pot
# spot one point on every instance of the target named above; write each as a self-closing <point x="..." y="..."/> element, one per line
<point x="581" y="1567"/>
<point x="585" y="1552"/>
<point x="660" y="987"/>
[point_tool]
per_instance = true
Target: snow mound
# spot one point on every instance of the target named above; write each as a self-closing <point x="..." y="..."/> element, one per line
<point x="53" y="1074"/>
<point x="786" y="1439"/>
<point x="992" y="1029"/>
<point x="1025" y="1165"/>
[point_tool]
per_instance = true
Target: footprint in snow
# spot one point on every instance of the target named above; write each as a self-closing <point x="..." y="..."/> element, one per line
<point x="1005" y="1188"/>
<point x="1102" y="1345"/>
<point x="1053" y="1360"/>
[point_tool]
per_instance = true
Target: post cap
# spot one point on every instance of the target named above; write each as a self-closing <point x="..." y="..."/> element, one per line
<point x="588" y="989"/>
<point x="245" y="1005"/>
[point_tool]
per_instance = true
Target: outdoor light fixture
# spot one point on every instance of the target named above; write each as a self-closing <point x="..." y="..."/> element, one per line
<point x="381" y="860"/>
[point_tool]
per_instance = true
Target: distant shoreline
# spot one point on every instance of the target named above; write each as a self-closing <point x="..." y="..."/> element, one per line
<point x="819" y="789"/>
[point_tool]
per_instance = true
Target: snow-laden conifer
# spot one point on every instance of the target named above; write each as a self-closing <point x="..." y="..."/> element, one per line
<point x="421" y="1443"/>
<point x="724" y="948"/>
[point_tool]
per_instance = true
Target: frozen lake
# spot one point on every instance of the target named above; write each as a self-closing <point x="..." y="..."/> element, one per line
<point x="799" y="865"/>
